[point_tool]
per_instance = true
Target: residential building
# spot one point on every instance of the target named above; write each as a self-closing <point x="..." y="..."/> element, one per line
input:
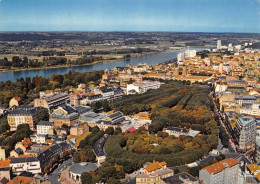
<point x="52" y="102"/>
<point x="245" y="133"/>
<point x="154" y="173"/>
<point x="245" y="99"/>
<point x="2" y="153"/>
<point x="5" y="170"/>
<point x="116" y="117"/>
<point x="143" y="87"/>
<point x="254" y="170"/>
<point x="225" y="171"/>
<point x="46" y="155"/>
<point x="43" y="127"/>
<point x="181" y="178"/>
<point x="21" y="164"/>
<point x="22" y="115"/>
<point x="79" y="129"/>
<point x="106" y="93"/>
<point x="257" y="151"/>
<point x="15" y="101"/>
<point x="24" y="180"/>
<point x="190" y="53"/>
<point x="64" y="115"/>
<point x="253" y="110"/>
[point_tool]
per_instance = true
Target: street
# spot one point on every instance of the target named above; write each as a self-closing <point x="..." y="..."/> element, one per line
<point x="53" y="177"/>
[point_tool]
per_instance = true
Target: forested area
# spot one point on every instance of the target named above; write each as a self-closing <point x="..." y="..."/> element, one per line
<point x="174" y="104"/>
<point x="27" y="89"/>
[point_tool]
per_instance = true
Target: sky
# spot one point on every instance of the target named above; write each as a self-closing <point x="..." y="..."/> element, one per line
<point x="131" y="15"/>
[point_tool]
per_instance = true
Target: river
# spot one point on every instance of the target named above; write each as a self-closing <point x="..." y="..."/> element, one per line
<point x="47" y="72"/>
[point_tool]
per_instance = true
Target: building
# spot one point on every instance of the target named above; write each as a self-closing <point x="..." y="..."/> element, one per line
<point x="76" y="170"/>
<point x="52" y="102"/>
<point x="21" y="164"/>
<point x="91" y="99"/>
<point x="143" y="87"/>
<point x="2" y="154"/>
<point x="99" y="149"/>
<point x="15" y="101"/>
<point x="245" y="99"/>
<point x="43" y="127"/>
<point x="75" y="99"/>
<point x="154" y="173"/>
<point x="181" y="178"/>
<point x="21" y="148"/>
<point x="24" y="180"/>
<point x="47" y="154"/>
<point x="254" y="170"/>
<point x="253" y="110"/>
<point x="245" y="133"/>
<point x="64" y="115"/>
<point x="190" y="53"/>
<point x="78" y="130"/>
<point x="225" y="171"/>
<point x="181" y="131"/>
<point x="219" y="44"/>
<point x="22" y="115"/>
<point x="5" y="170"/>
<point x="257" y="151"/>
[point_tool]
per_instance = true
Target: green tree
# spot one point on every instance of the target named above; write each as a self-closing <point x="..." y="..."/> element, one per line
<point x="42" y="115"/>
<point x="86" y="178"/>
<point x="76" y="157"/>
<point x="109" y="131"/>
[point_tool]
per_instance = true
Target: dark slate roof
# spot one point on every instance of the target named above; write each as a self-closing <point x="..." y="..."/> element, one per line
<point x="104" y="122"/>
<point x="115" y="115"/>
<point x="30" y="112"/>
<point x="23" y="159"/>
<point x="46" y="123"/>
<point x="107" y="90"/>
<point x="4" y="180"/>
<point x="178" y="129"/>
<point x="99" y="144"/>
<point x="69" y="109"/>
<point x="18" y="150"/>
<point x="93" y="97"/>
<point x="27" y="174"/>
<point x="179" y="178"/>
<point x="82" y="109"/>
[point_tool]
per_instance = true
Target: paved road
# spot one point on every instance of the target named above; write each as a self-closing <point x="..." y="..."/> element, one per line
<point x="53" y="178"/>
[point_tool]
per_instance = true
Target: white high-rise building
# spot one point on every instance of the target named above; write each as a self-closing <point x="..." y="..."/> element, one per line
<point x="219" y="44"/>
<point x="225" y="171"/>
<point x="180" y="57"/>
<point x="190" y="53"/>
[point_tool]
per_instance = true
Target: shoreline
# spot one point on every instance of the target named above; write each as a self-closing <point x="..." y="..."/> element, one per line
<point x="95" y="62"/>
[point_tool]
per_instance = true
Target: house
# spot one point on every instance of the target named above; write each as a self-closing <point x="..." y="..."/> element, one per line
<point x="104" y="124"/>
<point x="181" y="131"/>
<point x="21" y="148"/>
<point x="15" y="101"/>
<point x="154" y="173"/>
<point x="5" y="171"/>
<point x="22" y="164"/>
<point x="143" y="87"/>
<point x="24" y="180"/>
<point x="78" y="130"/>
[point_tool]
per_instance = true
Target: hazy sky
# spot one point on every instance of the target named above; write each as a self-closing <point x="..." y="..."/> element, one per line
<point x="130" y="15"/>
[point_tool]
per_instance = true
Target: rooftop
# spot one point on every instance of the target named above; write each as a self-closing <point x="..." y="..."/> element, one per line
<point x="219" y="166"/>
<point x="79" y="168"/>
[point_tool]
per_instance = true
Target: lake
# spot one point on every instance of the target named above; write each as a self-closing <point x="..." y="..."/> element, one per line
<point x="47" y="72"/>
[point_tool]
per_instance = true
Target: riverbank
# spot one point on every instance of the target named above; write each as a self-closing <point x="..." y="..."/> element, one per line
<point x="95" y="62"/>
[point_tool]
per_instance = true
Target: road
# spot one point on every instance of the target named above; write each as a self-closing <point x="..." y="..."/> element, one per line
<point x="53" y="178"/>
<point x="231" y="145"/>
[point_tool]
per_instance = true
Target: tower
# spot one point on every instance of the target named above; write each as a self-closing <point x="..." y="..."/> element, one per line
<point x="219" y="44"/>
